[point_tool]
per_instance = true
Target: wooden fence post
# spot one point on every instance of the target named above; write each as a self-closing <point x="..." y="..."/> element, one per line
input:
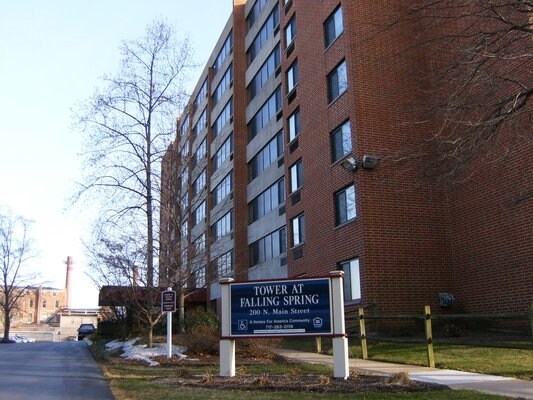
<point x="429" y="336"/>
<point x="531" y="317"/>
<point x="362" y="333"/>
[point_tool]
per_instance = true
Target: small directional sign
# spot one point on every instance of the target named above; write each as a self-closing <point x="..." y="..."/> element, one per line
<point x="168" y="301"/>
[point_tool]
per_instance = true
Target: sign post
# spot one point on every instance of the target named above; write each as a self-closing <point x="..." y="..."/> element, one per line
<point x="168" y="305"/>
<point x="282" y="308"/>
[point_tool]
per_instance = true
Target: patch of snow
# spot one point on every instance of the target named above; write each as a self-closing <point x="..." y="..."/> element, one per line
<point x="143" y="353"/>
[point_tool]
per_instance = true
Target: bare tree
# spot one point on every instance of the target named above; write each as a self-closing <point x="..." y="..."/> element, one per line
<point x="128" y="124"/>
<point x="15" y="251"/>
<point x="480" y="80"/>
<point x="117" y="264"/>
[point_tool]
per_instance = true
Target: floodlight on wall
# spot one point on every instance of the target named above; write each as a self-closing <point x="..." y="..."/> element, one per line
<point x="370" y="162"/>
<point x="349" y="163"/>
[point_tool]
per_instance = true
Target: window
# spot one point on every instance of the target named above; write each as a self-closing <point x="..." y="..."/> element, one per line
<point x="185" y="176"/>
<point x="224" y="265"/>
<point x="296" y="172"/>
<point x="267" y="201"/>
<point x="44" y="303"/>
<point x="199" y="213"/>
<point x="255" y="12"/>
<point x="265" y="72"/>
<point x="265" y="114"/>
<point x="352" y="280"/>
<point x="199" y="183"/>
<point x="298" y="230"/>
<point x="224" y="52"/>
<point x="223" y="152"/>
<point x="184" y="126"/>
<point x="223" y="85"/>
<point x="202" y="94"/>
<point x="200" y="277"/>
<point x="267" y="31"/>
<point x="266" y="156"/>
<point x="223" y="119"/>
<point x="268" y="247"/>
<point x="294" y="125"/>
<point x="201" y="124"/>
<point x="199" y="244"/>
<point x="200" y="152"/>
<point x="185" y="201"/>
<point x="341" y="141"/>
<point x="345" y="205"/>
<point x="337" y="81"/>
<point x="223" y="189"/>
<point x="184" y="225"/>
<point x="31" y="303"/>
<point x="223" y="226"/>
<point x="333" y="26"/>
<point x="57" y="304"/>
<point x="292" y="76"/>
<point x="290" y="31"/>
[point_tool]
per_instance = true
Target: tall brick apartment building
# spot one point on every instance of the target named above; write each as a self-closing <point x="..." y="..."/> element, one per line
<point x="283" y="166"/>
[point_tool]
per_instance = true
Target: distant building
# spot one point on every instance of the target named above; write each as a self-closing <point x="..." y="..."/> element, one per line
<point x="277" y="170"/>
<point x="45" y="313"/>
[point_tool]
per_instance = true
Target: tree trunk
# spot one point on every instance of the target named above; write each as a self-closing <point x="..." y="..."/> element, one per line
<point x="181" y="310"/>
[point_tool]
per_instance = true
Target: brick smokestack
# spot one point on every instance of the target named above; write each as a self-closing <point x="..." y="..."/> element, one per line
<point x="68" y="283"/>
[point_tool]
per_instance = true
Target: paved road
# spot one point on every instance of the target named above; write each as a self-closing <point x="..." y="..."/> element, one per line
<point x="46" y="370"/>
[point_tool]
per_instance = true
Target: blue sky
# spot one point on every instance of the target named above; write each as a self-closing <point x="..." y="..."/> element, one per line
<point x="52" y="54"/>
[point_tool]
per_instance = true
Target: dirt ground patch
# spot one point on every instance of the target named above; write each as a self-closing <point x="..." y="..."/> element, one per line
<point x="301" y="383"/>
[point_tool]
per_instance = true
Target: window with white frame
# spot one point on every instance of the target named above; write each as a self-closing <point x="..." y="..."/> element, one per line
<point x="337" y="81"/>
<point x="352" y="279"/>
<point x="294" y="125"/>
<point x="333" y="26"/>
<point x="345" y="210"/>
<point x="292" y="76"/>
<point x="298" y="230"/>
<point x="290" y="31"/>
<point x="341" y="141"/>
<point x="223" y="226"/>
<point x="297" y="177"/>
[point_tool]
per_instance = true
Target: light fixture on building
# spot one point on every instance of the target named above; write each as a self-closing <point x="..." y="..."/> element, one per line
<point x="349" y="163"/>
<point x="370" y="162"/>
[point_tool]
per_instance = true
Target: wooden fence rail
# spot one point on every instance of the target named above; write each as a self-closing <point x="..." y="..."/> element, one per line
<point x="427" y="317"/>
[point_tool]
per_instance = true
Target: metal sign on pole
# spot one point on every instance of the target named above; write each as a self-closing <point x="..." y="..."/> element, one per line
<point x="168" y="305"/>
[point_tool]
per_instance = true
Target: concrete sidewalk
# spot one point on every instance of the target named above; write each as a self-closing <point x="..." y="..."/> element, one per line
<point x="490" y="384"/>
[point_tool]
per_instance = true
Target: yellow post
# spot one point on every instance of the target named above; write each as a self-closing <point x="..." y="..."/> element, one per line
<point x="531" y="317"/>
<point x="318" y="341"/>
<point x="429" y="336"/>
<point x="362" y="333"/>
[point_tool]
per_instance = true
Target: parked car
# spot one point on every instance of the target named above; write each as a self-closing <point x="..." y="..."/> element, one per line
<point x="85" y="330"/>
<point x="23" y="339"/>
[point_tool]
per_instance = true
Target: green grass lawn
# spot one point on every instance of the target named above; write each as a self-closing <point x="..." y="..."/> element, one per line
<point x="500" y="359"/>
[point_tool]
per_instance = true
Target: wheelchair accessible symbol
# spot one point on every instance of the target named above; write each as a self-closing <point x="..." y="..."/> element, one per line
<point x="242" y="325"/>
